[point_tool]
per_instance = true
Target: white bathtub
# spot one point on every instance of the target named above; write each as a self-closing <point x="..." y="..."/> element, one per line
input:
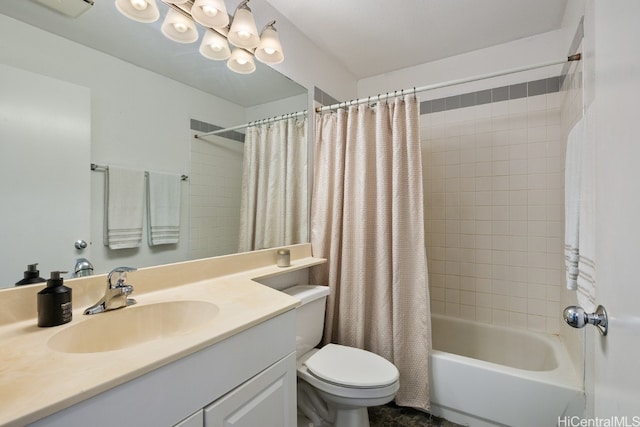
<point x="486" y="375"/>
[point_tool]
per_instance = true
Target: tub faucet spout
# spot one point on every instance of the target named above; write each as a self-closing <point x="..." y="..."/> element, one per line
<point x="116" y="294"/>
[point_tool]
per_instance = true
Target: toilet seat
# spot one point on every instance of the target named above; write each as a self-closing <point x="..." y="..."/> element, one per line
<point x="383" y="392"/>
<point x="351" y="367"/>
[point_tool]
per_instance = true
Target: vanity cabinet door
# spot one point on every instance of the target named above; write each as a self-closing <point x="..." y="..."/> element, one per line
<point x="268" y="399"/>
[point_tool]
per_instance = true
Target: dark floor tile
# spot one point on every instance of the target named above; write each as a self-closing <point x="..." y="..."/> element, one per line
<point x="391" y="415"/>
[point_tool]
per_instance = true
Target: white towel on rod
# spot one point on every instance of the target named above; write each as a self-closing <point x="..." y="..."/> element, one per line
<point x="124" y="204"/>
<point x="163" y="208"/>
<point x="587" y="249"/>
<point x="572" y="190"/>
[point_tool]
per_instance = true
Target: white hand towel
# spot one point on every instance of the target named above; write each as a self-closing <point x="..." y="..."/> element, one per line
<point x="587" y="250"/>
<point x="163" y="208"/>
<point x="124" y="204"/>
<point x="572" y="191"/>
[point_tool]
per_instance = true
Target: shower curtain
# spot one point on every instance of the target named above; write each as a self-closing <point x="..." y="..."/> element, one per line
<point x="273" y="209"/>
<point x="367" y="220"/>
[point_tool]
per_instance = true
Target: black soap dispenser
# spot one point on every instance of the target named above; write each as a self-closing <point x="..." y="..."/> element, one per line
<point x="54" y="302"/>
<point x="31" y="276"/>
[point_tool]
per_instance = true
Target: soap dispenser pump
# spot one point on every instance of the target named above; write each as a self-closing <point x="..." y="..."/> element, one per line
<point x="31" y="276"/>
<point x="54" y="302"/>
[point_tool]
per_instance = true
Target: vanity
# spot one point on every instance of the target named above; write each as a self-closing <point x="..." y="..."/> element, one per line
<point x="206" y="345"/>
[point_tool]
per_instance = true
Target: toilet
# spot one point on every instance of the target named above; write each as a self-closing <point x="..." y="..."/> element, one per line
<point x="336" y="383"/>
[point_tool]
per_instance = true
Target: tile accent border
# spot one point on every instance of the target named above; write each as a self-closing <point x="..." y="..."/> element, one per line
<point x="323" y="97"/>
<point x="504" y="93"/>
<point x="497" y="94"/>
<point x="200" y="126"/>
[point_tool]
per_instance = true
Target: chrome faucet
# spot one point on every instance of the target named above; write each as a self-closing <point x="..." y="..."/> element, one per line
<point x="116" y="294"/>
<point x="82" y="268"/>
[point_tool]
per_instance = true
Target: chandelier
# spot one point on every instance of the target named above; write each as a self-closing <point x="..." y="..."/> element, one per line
<point x="219" y="30"/>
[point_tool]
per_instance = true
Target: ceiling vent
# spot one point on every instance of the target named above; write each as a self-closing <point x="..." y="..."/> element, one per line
<point x="72" y="8"/>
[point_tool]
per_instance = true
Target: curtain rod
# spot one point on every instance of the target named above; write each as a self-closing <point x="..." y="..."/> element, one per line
<point x="575" y="57"/>
<point x="100" y="168"/>
<point x="379" y="97"/>
<point x="257" y="122"/>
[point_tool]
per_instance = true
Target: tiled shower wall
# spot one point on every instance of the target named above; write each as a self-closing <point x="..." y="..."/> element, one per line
<point x="494" y="195"/>
<point x="214" y="205"/>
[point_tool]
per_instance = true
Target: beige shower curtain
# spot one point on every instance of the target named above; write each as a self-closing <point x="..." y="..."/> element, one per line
<point x="273" y="210"/>
<point x="367" y="220"/>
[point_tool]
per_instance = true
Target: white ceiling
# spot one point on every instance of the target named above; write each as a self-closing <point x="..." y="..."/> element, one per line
<point x="372" y="37"/>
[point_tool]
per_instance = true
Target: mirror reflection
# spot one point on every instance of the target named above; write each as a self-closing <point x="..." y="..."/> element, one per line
<point x="102" y="89"/>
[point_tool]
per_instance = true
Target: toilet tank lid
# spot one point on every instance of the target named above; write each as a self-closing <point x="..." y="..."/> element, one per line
<point x="307" y="293"/>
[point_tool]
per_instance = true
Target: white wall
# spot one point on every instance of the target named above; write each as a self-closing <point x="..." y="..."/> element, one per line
<point x="277" y="108"/>
<point x="304" y="62"/>
<point x="531" y="50"/>
<point x="139" y="119"/>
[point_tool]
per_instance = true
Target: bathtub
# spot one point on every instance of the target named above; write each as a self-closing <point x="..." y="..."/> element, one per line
<point x="486" y="375"/>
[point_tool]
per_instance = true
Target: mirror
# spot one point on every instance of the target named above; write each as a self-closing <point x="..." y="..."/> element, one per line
<point x="137" y="99"/>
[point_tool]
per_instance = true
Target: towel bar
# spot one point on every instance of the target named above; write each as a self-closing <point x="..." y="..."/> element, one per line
<point x="100" y="168"/>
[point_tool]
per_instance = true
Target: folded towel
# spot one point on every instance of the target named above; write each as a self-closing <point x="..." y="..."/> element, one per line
<point x="586" y="260"/>
<point x="163" y="208"/>
<point x="124" y="204"/>
<point x="572" y="183"/>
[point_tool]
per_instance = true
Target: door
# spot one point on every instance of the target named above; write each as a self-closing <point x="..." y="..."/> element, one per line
<point x="45" y="133"/>
<point x="268" y="399"/>
<point x="613" y="362"/>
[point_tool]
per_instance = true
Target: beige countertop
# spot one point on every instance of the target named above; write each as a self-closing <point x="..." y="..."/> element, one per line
<point x="36" y="381"/>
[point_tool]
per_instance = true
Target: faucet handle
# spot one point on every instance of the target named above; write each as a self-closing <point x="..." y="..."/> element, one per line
<point x="122" y="275"/>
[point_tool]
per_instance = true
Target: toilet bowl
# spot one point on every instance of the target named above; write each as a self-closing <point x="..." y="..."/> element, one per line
<point x="336" y="383"/>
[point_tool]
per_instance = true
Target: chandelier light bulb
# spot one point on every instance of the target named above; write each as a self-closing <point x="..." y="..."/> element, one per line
<point x="210" y="13"/>
<point x="139" y="10"/>
<point x="139" y="4"/>
<point x="179" y="28"/>
<point x="241" y="62"/>
<point x="269" y="50"/>
<point x="243" y="32"/>
<point x="214" y="46"/>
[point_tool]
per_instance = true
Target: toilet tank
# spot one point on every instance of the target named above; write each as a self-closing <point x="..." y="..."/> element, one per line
<point x="309" y="315"/>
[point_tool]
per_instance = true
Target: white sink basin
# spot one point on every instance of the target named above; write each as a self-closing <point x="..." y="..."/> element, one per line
<point x="130" y="326"/>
